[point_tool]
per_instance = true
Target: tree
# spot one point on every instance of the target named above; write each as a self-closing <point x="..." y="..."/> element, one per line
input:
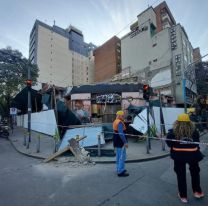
<point x="13" y="74"/>
<point x="202" y="78"/>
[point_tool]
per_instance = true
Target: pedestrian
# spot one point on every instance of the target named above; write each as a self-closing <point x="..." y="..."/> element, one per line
<point x="184" y="151"/>
<point x="120" y="143"/>
<point x="194" y="118"/>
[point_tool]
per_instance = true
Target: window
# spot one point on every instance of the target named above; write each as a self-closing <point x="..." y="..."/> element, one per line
<point x="153" y="30"/>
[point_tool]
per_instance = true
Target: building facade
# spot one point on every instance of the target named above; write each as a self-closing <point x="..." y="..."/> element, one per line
<point x="107" y="60"/>
<point x="62" y="56"/>
<point x="197" y="55"/>
<point x="164" y="17"/>
<point x="158" y="51"/>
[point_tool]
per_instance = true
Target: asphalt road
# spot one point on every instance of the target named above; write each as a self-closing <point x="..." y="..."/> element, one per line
<point x="25" y="181"/>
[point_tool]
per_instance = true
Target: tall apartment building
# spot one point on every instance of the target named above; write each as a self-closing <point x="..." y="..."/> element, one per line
<point x="107" y="59"/>
<point x="62" y="56"/>
<point x="158" y="51"/>
<point x="164" y="17"/>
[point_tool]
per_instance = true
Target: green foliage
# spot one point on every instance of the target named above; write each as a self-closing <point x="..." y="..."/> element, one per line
<point x="153" y="130"/>
<point x="13" y="74"/>
<point x="56" y="136"/>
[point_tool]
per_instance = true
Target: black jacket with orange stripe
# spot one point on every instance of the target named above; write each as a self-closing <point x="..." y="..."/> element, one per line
<point x="184" y="151"/>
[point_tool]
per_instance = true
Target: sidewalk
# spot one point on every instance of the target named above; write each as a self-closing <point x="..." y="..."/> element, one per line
<point x="135" y="153"/>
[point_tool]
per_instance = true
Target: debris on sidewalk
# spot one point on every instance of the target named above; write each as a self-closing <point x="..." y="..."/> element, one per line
<point x="81" y="155"/>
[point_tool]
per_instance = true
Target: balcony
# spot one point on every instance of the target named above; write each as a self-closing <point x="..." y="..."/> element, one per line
<point x="165" y="17"/>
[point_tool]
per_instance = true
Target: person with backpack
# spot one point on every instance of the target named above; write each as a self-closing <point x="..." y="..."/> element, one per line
<point x="184" y="149"/>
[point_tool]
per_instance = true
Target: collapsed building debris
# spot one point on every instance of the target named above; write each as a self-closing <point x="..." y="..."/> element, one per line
<point x="80" y="154"/>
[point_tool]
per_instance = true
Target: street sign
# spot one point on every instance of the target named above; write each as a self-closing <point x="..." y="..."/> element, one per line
<point x="13" y="111"/>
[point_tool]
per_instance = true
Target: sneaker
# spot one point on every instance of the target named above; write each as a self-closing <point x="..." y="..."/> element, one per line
<point x="183" y="199"/>
<point x="198" y="194"/>
<point x="123" y="174"/>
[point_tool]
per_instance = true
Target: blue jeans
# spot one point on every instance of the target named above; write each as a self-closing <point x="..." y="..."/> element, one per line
<point x="120" y="159"/>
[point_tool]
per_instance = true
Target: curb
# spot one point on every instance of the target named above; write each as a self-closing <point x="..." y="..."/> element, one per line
<point x="134" y="160"/>
<point x="23" y="153"/>
<point x="97" y="162"/>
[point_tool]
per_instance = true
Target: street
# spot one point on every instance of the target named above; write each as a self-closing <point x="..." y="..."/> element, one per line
<point x="25" y="181"/>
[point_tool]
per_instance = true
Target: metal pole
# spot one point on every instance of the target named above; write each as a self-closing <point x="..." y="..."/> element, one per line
<point x="148" y="128"/>
<point x="24" y="142"/>
<point x="38" y="144"/>
<point x="29" y="106"/>
<point x="99" y="143"/>
<point x="148" y="122"/>
<point x="162" y="126"/>
<point x="54" y="145"/>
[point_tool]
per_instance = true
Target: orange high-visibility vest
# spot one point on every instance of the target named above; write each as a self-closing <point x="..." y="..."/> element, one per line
<point x="116" y="123"/>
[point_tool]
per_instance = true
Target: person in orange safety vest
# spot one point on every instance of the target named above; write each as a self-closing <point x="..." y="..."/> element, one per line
<point x="120" y="143"/>
<point x="184" y="151"/>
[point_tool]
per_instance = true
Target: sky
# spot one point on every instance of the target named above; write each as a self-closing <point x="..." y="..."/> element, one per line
<point x="99" y="20"/>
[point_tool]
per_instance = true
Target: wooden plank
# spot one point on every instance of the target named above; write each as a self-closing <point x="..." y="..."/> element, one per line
<point x="72" y="147"/>
<point x="80" y="138"/>
<point x="73" y="152"/>
<point x="57" y="154"/>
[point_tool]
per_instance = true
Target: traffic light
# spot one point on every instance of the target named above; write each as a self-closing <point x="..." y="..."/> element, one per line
<point x="29" y="82"/>
<point x="146" y="91"/>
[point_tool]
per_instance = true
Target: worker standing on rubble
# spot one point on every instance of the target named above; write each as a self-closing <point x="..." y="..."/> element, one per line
<point x="185" y="151"/>
<point x="120" y="143"/>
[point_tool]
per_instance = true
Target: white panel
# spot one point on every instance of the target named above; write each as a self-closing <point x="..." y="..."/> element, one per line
<point x="44" y="122"/>
<point x="131" y="94"/>
<point x="161" y="78"/>
<point x="81" y="96"/>
<point x="170" y="116"/>
<point x="91" y="139"/>
<point x="140" y="122"/>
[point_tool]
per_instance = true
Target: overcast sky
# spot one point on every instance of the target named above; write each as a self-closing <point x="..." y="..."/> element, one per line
<point x="98" y="20"/>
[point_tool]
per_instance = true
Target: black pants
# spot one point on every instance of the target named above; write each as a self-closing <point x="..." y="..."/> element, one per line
<point x="180" y="169"/>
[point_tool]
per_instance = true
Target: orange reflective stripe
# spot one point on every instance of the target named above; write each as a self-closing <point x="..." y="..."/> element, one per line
<point x="185" y="149"/>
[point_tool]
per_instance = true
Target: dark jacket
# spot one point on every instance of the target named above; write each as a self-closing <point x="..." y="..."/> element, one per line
<point x="119" y="139"/>
<point x="184" y="151"/>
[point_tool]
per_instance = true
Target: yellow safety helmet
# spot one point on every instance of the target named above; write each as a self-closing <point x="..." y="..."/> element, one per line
<point x="191" y="110"/>
<point x="120" y="112"/>
<point x="183" y="118"/>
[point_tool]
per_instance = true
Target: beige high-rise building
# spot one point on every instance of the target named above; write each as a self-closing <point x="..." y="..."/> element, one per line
<point x="62" y="56"/>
